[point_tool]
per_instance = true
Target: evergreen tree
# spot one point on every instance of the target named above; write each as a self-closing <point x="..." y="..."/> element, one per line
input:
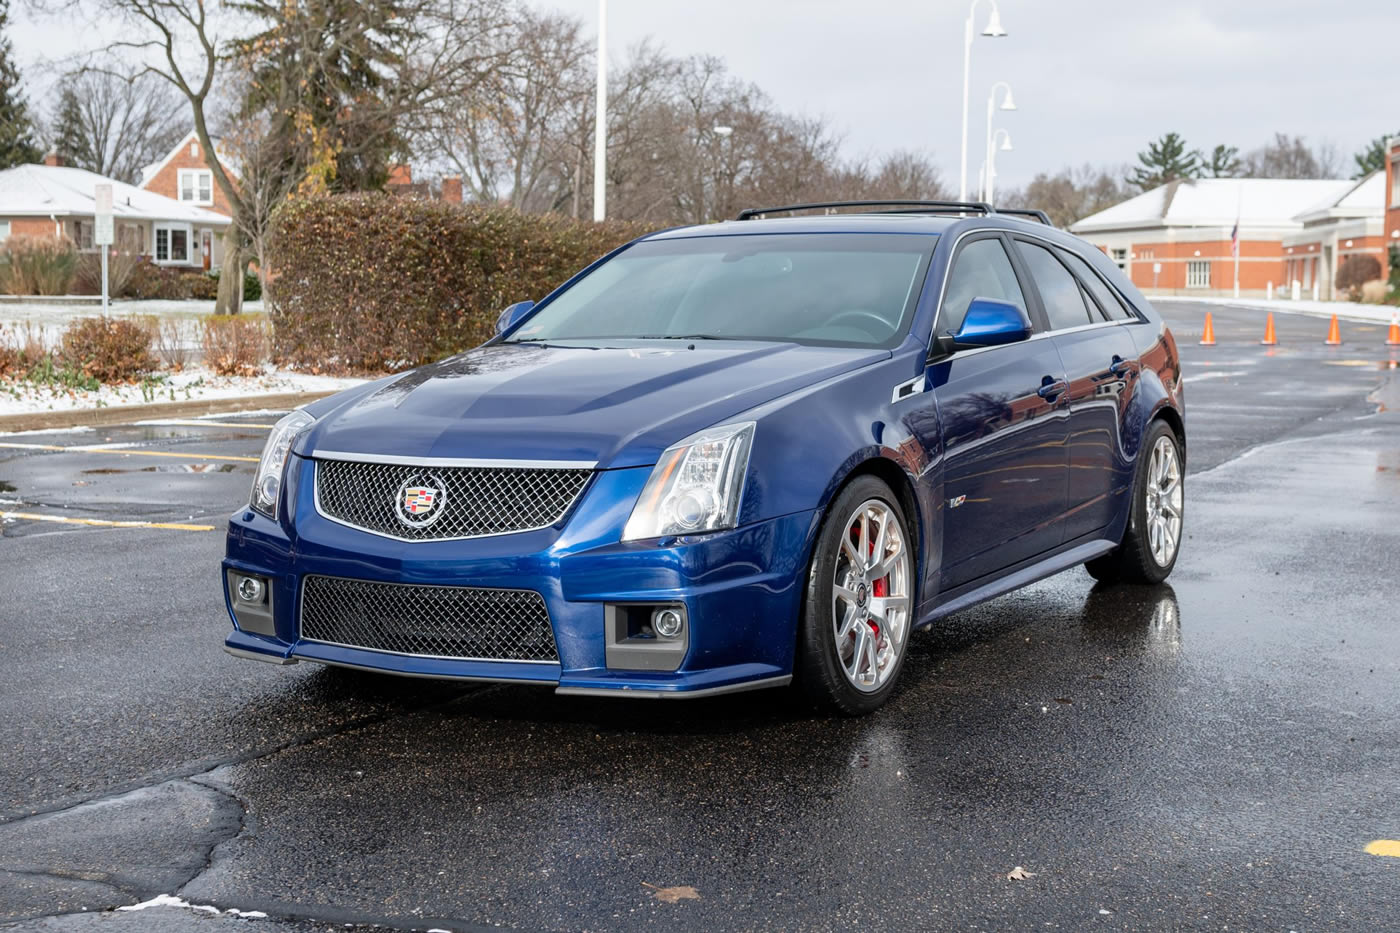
<point x="16" y="128"/>
<point x="1223" y="162"/>
<point x="1372" y="158"/>
<point x="70" y="141"/>
<point x="1165" y="160"/>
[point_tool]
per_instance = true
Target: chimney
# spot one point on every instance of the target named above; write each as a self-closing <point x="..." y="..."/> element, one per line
<point x="400" y="174"/>
<point x="452" y="189"/>
<point x="53" y="159"/>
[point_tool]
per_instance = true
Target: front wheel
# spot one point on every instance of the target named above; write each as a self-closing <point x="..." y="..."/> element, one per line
<point x="860" y="601"/>
<point x="1152" y="539"/>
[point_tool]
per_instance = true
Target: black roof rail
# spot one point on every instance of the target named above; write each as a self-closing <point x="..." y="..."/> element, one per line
<point x="1027" y="212"/>
<point x="910" y="206"/>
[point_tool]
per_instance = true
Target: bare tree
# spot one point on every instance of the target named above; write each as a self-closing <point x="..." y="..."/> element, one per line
<point x="1071" y="193"/>
<point x="115" y="125"/>
<point x="1291" y="157"/>
<point x="338" y="82"/>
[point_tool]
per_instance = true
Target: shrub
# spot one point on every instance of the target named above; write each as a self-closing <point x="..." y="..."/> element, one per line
<point x="373" y="282"/>
<point x="107" y="349"/>
<point x="1356" y="271"/>
<point x="234" y="344"/>
<point x="39" y="265"/>
<point x="1375" y="292"/>
<point x="120" y="267"/>
<point x="149" y="280"/>
<point x="252" y="286"/>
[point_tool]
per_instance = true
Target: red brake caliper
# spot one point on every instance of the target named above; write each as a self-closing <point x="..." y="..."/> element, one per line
<point x="878" y="587"/>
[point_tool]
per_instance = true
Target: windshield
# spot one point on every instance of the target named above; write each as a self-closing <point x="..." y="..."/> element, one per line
<point x="853" y="290"/>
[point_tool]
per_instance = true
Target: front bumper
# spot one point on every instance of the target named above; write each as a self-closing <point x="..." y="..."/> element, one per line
<point x="740" y="590"/>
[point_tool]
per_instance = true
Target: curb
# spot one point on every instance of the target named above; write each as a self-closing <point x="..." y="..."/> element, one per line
<point x="126" y="414"/>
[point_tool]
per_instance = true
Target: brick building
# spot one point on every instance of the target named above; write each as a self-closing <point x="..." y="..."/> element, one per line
<point x="57" y="200"/>
<point x="185" y="176"/>
<point x="1335" y="230"/>
<point x="1392" y="194"/>
<point x="1177" y="238"/>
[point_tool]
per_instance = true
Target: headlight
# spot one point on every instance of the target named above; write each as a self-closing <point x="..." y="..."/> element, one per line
<point x="695" y="486"/>
<point x="268" y="482"/>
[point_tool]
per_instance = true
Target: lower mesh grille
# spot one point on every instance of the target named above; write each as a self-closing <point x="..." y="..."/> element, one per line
<point x="430" y="621"/>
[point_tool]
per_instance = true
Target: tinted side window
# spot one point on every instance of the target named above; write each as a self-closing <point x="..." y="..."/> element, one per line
<point x="1101" y="292"/>
<point x="982" y="270"/>
<point x="1064" y="303"/>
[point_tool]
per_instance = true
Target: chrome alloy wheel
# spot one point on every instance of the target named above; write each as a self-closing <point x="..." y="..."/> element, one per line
<point x="1164" y="498"/>
<point x="870" y="596"/>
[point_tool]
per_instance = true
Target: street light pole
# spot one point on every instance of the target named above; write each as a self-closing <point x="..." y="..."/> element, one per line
<point x="600" y="127"/>
<point x="1006" y="104"/>
<point x="1005" y="146"/>
<point x="995" y="31"/>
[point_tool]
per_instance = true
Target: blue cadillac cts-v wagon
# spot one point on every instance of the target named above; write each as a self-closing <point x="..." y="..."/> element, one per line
<point x="729" y="457"/>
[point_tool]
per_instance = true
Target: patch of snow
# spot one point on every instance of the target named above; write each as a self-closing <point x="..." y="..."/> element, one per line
<point x="169" y="900"/>
<point x="1345" y="310"/>
<point x="77" y="430"/>
<point x="189" y="385"/>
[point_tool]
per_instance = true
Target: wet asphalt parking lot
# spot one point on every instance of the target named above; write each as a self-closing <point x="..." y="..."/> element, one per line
<point x="1217" y="753"/>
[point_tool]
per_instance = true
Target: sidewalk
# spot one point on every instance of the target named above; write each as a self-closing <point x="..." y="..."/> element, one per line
<point x="1345" y="310"/>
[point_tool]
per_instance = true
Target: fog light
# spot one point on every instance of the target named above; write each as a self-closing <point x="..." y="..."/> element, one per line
<point x="250" y="589"/>
<point x="666" y="622"/>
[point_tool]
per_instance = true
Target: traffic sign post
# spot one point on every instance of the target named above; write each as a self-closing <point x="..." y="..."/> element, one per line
<point x="103" y="230"/>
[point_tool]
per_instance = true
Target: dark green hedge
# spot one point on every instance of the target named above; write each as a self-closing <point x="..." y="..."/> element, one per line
<point x="370" y="282"/>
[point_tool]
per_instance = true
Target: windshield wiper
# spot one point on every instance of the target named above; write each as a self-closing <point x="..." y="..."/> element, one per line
<point x="693" y="337"/>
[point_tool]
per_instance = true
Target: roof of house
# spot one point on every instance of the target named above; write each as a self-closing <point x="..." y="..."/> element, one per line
<point x="1364" y="198"/>
<point x="1217" y="202"/>
<point x="62" y="191"/>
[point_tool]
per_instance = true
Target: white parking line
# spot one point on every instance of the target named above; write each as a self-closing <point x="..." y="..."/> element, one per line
<point x="1201" y="377"/>
<point x="101" y="522"/>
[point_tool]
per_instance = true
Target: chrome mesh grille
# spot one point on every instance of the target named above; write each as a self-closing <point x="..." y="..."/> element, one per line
<point x="476" y="501"/>
<point x="431" y="621"/>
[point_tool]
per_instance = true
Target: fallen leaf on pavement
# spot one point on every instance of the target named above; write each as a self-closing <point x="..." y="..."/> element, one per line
<point x="1019" y="874"/>
<point x="683" y="892"/>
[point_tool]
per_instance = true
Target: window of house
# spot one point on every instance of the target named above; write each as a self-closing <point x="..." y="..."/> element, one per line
<point x="1120" y="257"/>
<point x="4" y="230"/>
<point x="1063" y="299"/>
<point x="196" y="186"/>
<point x="1198" y="275"/>
<point x="1395" y="184"/>
<point x="982" y="270"/>
<point x="172" y="244"/>
<point x="81" y="232"/>
<point x="194" y="150"/>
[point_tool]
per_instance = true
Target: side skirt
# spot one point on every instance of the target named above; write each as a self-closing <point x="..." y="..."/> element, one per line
<point x="1066" y="557"/>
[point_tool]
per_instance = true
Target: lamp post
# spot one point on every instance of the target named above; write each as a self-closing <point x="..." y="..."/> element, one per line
<point x="600" y="126"/>
<point x="1006" y="104"/>
<point x="995" y="31"/>
<point x="1005" y="146"/>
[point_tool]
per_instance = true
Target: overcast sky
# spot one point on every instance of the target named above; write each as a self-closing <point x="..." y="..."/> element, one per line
<point x="1093" y="79"/>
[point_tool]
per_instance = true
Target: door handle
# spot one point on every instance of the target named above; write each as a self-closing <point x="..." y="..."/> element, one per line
<point x="1120" y="366"/>
<point x="1051" y="388"/>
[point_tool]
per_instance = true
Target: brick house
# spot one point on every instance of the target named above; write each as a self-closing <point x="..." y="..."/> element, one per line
<point x="184" y="175"/>
<point x="1177" y="238"/>
<point x="57" y="200"/>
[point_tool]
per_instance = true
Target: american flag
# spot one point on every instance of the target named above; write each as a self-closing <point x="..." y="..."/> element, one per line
<point x="1235" y="240"/>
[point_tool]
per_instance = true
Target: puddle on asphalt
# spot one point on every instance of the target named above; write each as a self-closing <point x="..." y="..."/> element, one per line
<point x="166" y="468"/>
<point x="7" y="487"/>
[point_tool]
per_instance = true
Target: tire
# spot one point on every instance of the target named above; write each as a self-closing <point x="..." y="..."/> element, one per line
<point x="857" y="614"/>
<point x="1152" y="540"/>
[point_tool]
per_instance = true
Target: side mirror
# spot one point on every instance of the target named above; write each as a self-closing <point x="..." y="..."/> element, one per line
<point x="988" y="323"/>
<point x="512" y="314"/>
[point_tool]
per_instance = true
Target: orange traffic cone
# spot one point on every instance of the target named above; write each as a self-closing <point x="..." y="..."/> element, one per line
<point x="1208" y="336"/>
<point x="1334" y="334"/>
<point x="1393" y="338"/>
<point x="1269" y="339"/>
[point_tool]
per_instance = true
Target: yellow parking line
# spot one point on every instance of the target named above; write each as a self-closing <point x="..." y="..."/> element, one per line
<point x="202" y="424"/>
<point x="1385" y="847"/>
<point x="103" y="449"/>
<point x="104" y="523"/>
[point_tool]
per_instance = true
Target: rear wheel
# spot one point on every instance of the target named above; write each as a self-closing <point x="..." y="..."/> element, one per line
<point x="1152" y="539"/>
<point x="859" y="603"/>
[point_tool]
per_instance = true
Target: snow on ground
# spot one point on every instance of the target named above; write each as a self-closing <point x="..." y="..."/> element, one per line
<point x="61" y="310"/>
<point x="188" y="386"/>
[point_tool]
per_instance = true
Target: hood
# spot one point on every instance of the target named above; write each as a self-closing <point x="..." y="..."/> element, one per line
<point x="615" y="406"/>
